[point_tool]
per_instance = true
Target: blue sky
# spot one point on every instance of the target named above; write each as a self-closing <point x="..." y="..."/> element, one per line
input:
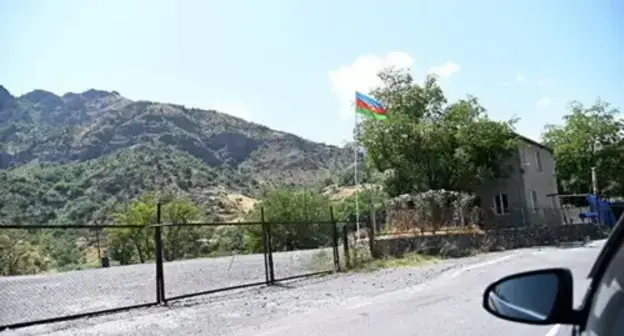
<point x="293" y="65"/>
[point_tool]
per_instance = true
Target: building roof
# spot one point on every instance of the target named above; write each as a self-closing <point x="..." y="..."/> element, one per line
<point x="533" y="142"/>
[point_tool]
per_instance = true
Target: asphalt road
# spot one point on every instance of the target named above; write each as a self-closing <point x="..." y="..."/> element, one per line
<point x="439" y="299"/>
<point x="27" y="298"/>
<point x="448" y="305"/>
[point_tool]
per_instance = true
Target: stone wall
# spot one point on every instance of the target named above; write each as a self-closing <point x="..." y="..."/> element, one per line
<point x="457" y="245"/>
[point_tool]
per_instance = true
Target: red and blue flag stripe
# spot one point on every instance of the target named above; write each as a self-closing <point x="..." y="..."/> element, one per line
<point x="369" y="106"/>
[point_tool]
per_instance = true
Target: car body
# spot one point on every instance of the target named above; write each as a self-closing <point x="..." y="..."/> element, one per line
<point x="544" y="297"/>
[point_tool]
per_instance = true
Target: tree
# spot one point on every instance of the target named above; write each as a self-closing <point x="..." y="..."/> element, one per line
<point x="62" y="248"/>
<point x="294" y="217"/>
<point x="18" y="256"/>
<point x="427" y="143"/>
<point x="345" y="210"/>
<point x="179" y="240"/>
<point x="590" y="137"/>
<point x="128" y="244"/>
<point x="125" y="242"/>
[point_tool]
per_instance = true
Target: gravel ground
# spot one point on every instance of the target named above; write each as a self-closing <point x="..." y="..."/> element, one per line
<point x="230" y="311"/>
<point x="28" y="298"/>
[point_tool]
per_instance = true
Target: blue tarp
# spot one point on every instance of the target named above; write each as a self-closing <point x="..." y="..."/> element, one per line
<point x="599" y="211"/>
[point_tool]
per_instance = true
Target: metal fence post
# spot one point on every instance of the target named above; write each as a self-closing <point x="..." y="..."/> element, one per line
<point x="334" y="239"/>
<point x="371" y="239"/>
<point x="345" y="245"/>
<point x="265" y="247"/>
<point x="269" y="250"/>
<point x="160" y="276"/>
<point x="373" y="217"/>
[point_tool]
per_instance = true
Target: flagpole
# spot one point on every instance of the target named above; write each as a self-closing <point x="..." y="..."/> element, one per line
<point x="375" y="109"/>
<point x="355" y="176"/>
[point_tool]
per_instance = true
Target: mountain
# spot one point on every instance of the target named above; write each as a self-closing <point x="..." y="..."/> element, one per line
<point x="72" y="158"/>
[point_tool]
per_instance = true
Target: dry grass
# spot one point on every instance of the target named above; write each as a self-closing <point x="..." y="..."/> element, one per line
<point x="441" y="232"/>
<point x="344" y="192"/>
<point x="239" y="206"/>
<point x="92" y="256"/>
<point x="336" y="193"/>
<point x="241" y="202"/>
<point x="362" y="261"/>
<point x="407" y="260"/>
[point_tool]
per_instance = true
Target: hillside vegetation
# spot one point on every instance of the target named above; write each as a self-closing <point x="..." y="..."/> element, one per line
<point x="71" y="159"/>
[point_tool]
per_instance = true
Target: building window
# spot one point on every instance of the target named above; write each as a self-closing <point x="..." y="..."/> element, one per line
<point x="501" y="204"/>
<point x="538" y="160"/>
<point x="523" y="156"/>
<point x="533" y="201"/>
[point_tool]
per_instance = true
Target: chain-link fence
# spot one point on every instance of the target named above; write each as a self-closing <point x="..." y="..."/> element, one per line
<point x="303" y="249"/>
<point x="202" y="258"/>
<point x="54" y="273"/>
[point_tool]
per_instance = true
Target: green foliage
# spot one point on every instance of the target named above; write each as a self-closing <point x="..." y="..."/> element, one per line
<point x="94" y="124"/>
<point x="128" y="245"/>
<point x="346" y="209"/>
<point x="124" y="241"/>
<point x="304" y="214"/>
<point x="590" y="137"/>
<point x="63" y="248"/>
<point x="177" y="239"/>
<point x="427" y="143"/>
<point x="35" y="251"/>
<point x="88" y="192"/>
<point x="75" y="159"/>
<point x="19" y="256"/>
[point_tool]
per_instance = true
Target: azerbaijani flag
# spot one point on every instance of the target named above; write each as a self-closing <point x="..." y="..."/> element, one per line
<point x="369" y="107"/>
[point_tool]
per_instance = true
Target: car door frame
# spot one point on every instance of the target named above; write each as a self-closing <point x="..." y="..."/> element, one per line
<point x="598" y="270"/>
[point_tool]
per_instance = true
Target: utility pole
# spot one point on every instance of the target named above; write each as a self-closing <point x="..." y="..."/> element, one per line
<point x="594" y="175"/>
<point x="594" y="179"/>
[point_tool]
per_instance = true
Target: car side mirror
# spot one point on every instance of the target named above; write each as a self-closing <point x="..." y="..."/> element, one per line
<point x="536" y="297"/>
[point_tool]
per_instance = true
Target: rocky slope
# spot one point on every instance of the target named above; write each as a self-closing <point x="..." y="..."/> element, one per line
<point x="74" y="156"/>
